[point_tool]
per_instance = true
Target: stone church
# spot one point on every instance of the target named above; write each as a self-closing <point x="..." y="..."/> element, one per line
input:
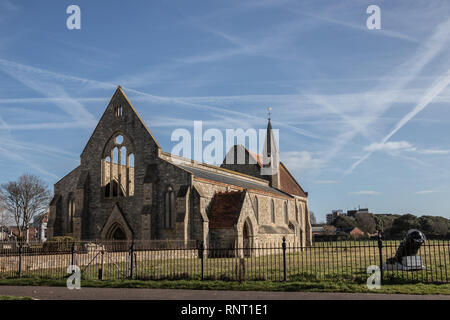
<point x="127" y="188"/>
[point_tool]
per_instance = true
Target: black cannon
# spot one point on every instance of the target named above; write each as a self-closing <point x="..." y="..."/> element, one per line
<point x="409" y="247"/>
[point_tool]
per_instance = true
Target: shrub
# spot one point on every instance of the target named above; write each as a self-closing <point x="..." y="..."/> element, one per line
<point x="59" y="244"/>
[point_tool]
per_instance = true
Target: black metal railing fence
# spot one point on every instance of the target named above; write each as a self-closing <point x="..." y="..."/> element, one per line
<point x="164" y="259"/>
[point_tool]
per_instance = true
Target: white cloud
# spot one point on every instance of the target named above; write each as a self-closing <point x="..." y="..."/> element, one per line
<point x="412" y="67"/>
<point x="301" y="160"/>
<point x="434" y="151"/>
<point x="43" y="82"/>
<point x="402" y="146"/>
<point x="426" y="191"/>
<point x="390" y="146"/>
<point x="364" y="192"/>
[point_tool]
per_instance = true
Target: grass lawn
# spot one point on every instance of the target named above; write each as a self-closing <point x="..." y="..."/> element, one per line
<point x="310" y="286"/>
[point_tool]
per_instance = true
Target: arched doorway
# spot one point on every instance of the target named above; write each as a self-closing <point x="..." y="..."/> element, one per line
<point x="116" y="232"/>
<point x="116" y="226"/>
<point x="119" y="234"/>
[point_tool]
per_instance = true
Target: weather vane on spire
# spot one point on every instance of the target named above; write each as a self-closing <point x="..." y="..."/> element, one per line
<point x="269" y="111"/>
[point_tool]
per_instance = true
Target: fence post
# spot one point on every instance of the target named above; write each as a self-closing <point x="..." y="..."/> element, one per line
<point x="380" y="249"/>
<point x="20" y="259"/>
<point x="284" y="259"/>
<point x="201" y="252"/>
<point x="100" y="271"/>
<point x="131" y="259"/>
<point x="73" y="253"/>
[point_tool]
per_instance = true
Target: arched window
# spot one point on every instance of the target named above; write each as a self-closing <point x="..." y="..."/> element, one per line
<point x="118" y="167"/>
<point x="286" y="213"/>
<point x="115" y="156"/>
<point x="123" y="155"/>
<point x="131" y="174"/>
<point x="71" y="213"/>
<point x="118" y="112"/>
<point x="123" y="168"/>
<point x="256" y="205"/>
<point x="272" y="210"/>
<point x="296" y="213"/>
<point x="169" y="200"/>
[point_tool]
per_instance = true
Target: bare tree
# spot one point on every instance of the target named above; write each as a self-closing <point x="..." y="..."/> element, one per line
<point x="6" y="220"/>
<point x="25" y="198"/>
<point x="329" y="229"/>
<point x="312" y="217"/>
<point x="366" y="222"/>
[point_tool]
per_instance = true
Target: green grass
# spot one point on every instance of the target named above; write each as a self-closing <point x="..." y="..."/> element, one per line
<point x="308" y="286"/>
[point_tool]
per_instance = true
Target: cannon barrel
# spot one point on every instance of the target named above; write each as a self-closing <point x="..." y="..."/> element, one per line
<point x="410" y="245"/>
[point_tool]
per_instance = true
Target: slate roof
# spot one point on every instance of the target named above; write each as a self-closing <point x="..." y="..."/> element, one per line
<point x="288" y="183"/>
<point x="258" y="158"/>
<point x="236" y="181"/>
<point x="225" y="209"/>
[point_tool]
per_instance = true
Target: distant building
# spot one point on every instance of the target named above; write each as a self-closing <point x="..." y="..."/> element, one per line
<point x="350" y="213"/>
<point x="353" y="213"/>
<point x="4" y="233"/>
<point x="32" y="233"/>
<point x="317" y="230"/>
<point x="353" y="231"/>
<point x="40" y="223"/>
<point x="333" y="215"/>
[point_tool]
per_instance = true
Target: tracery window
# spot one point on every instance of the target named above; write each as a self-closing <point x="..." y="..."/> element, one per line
<point x="118" y="168"/>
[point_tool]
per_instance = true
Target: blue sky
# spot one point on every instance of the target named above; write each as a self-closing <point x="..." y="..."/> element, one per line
<point x="363" y="114"/>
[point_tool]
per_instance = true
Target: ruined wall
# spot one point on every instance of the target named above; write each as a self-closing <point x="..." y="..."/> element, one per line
<point x="59" y="214"/>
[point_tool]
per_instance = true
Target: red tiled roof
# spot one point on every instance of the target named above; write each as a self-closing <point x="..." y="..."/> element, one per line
<point x="356" y="232"/>
<point x="225" y="209"/>
<point x="288" y="183"/>
<point x="256" y="156"/>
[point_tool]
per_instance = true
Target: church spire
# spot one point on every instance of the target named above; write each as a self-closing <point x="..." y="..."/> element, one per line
<point x="270" y="154"/>
<point x="270" y="145"/>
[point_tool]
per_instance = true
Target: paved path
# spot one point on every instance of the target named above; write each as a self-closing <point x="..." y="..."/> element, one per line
<point x="62" y="293"/>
